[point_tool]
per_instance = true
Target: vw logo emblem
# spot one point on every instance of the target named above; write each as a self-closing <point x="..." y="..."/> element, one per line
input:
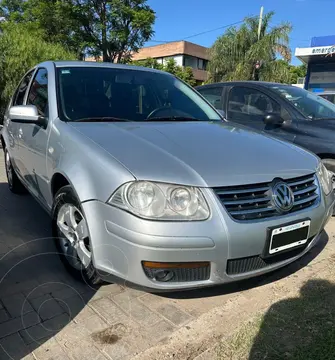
<point x="282" y="197"/>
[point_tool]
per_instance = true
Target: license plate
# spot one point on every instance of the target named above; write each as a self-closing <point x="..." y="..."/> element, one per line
<point x="289" y="236"/>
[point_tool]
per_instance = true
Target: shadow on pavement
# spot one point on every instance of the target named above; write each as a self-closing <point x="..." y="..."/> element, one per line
<point x="256" y="281"/>
<point x="37" y="296"/>
<point x="299" y="328"/>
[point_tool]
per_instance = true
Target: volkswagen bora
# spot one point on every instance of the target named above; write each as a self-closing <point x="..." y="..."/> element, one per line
<point x="146" y="183"/>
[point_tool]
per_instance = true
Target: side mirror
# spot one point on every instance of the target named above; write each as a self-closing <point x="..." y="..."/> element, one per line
<point x="221" y="112"/>
<point x="27" y="114"/>
<point x="273" y="119"/>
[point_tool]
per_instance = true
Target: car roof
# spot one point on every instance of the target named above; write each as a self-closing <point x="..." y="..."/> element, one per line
<point x="258" y="83"/>
<point x="59" y="64"/>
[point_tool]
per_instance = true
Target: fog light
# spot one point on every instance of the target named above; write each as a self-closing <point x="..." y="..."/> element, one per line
<point x="162" y="275"/>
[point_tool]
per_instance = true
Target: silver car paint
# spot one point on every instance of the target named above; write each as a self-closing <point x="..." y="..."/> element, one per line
<point x="97" y="158"/>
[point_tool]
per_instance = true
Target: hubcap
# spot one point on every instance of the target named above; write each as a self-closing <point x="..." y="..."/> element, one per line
<point x="74" y="237"/>
<point x="9" y="169"/>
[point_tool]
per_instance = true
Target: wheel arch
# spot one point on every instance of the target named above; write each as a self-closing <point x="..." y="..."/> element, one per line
<point x="2" y="140"/>
<point x="326" y="156"/>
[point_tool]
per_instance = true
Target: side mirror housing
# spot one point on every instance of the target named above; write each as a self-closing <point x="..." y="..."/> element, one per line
<point x="273" y="119"/>
<point x="24" y="114"/>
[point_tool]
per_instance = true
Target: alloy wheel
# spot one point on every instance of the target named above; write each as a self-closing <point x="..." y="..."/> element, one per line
<point x="74" y="236"/>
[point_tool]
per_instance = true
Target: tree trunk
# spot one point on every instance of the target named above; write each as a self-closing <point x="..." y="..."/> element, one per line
<point x="105" y="57"/>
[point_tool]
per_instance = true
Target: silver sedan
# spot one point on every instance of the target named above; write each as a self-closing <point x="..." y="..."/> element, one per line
<point x="146" y="183"/>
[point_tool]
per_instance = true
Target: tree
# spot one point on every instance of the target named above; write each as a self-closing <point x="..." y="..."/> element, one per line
<point x="235" y="54"/>
<point x="21" y="49"/>
<point x="170" y="66"/>
<point x="112" y="29"/>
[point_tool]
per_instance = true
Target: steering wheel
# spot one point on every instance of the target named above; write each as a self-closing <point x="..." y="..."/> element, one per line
<point x="168" y="110"/>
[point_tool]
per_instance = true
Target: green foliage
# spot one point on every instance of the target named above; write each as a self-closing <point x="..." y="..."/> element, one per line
<point x="184" y="73"/>
<point x="235" y="53"/>
<point x="108" y="28"/>
<point x="21" y="48"/>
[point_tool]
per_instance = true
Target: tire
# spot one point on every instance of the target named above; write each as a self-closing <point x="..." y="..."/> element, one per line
<point x="71" y="234"/>
<point x="14" y="183"/>
<point x="330" y="165"/>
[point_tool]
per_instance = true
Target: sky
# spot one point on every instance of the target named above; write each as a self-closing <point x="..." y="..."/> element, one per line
<point x="178" y="19"/>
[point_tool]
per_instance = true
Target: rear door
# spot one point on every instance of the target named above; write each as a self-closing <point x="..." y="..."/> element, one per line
<point x="13" y="129"/>
<point x="35" y="137"/>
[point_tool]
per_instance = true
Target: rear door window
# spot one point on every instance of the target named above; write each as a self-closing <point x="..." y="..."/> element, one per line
<point x="213" y="95"/>
<point x="20" y="92"/>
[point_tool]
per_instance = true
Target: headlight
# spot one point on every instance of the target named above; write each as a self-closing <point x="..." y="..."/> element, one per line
<point x="151" y="200"/>
<point x="325" y="178"/>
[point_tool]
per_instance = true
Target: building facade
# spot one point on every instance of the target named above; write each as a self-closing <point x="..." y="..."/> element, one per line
<point x="183" y="52"/>
<point x="320" y="59"/>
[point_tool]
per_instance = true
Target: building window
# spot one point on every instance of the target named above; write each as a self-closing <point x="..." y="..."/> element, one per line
<point x="200" y="64"/>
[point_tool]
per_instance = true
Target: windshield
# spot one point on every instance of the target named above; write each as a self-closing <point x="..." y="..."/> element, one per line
<point x="129" y="94"/>
<point x="310" y="105"/>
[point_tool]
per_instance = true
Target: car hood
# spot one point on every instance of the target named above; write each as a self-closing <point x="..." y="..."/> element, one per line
<point x="198" y="153"/>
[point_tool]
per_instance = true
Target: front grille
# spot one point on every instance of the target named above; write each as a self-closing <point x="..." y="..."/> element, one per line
<point x="253" y="263"/>
<point x="182" y="274"/>
<point x="252" y="202"/>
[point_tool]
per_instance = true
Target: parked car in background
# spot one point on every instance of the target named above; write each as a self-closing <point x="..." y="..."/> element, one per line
<point x="145" y="182"/>
<point x="328" y="96"/>
<point x="283" y="111"/>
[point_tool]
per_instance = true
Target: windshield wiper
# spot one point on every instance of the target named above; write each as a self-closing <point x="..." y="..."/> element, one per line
<point x="173" y="118"/>
<point x="102" y="119"/>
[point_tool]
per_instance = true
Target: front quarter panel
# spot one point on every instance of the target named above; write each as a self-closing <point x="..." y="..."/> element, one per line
<point x="93" y="173"/>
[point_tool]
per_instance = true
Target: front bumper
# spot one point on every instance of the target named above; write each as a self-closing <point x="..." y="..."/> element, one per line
<point x="122" y="241"/>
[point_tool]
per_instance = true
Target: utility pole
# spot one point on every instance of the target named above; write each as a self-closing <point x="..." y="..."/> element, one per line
<point x="260" y="22"/>
<point x="258" y="63"/>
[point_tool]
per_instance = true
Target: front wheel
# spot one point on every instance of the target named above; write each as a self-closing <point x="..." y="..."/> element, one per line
<point x="14" y="183"/>
<point x="330" y="165"/>
<point x="71" y="233"/>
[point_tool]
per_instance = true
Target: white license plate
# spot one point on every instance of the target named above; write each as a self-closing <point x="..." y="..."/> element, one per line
<point x="289" y="236"/>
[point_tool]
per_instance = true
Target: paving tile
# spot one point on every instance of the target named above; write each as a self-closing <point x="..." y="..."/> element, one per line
<point x="14" y="325"/>
<point x="10" y="287"/>
<point x="17" y="305"/>
<point x="44" y="330"/>
<point x="42" y="289"/>
<point x="65" y="292"/>
<point x="76" y="307"/>
<point x="105" y="291"/>
<point x="93" y="323"/>
<point x="121" y="341"/>
<point x="50" y="350"/>
<point x="109" y="311"/>
<point x="85" y="350"/>
<point x="135" y="309"/>
<point x="157" y="333"/>
<point x="12" y="347"/>
<point x="119" y="351"/>
<point x="174" y="314"/>
<point x="46" y="307"/>
<point x="3" y="316"/>
<point x="71" y="333"/>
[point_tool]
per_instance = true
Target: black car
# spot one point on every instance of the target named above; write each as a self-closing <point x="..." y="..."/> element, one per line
<point x="284" y="111"/>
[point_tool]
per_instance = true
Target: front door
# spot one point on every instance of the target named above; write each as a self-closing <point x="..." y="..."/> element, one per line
<point x="249" y="106"/>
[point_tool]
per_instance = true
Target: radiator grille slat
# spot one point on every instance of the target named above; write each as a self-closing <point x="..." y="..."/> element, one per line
<point x="252" y="202"/>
